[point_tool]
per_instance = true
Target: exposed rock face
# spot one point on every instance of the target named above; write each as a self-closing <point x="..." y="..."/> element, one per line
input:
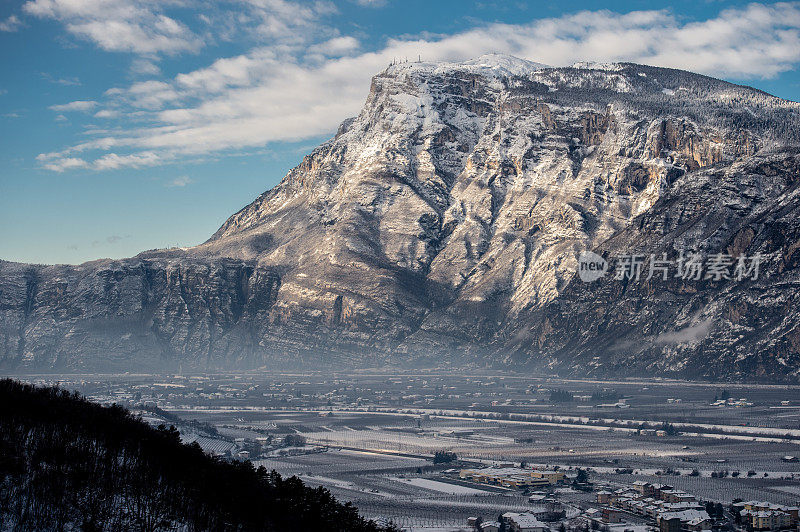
<point x="445" y="221"/>
<point x="136" y="313"/>
<point x="723" y="328"/>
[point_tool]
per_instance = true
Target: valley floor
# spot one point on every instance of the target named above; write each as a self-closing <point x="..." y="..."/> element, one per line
<point x="370" y="439"/>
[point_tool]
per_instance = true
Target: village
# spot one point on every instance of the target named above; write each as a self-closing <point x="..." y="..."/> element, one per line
<point x="429" y="451"/>
<point x="642" y="506"/>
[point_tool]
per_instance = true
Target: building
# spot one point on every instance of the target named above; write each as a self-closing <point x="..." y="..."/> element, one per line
<point x="511" y="477"/>
<point x="774" y="518"/>
<point x="752" y="509"/>
<point x="698" y="524"/>
<point x="676" y="496"/>
<point x="552" y="477"/>
<point x="659" y="489"/>
<point x="644" y="488"/>
<point x="604" y="497"/>
<point x="610" y="515"/>
<point x="672" y="524"/>
<point x="593" y="514"/>
<point x="769" y="520"/>
<point x="489" y="526"/>
<point x="699" y="518"/>
<point x="680" y="506"/>
<point x="524" y="522"/>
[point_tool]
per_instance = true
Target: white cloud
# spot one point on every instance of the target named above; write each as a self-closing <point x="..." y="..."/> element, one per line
<point x="371" y="3"/>
<point x="107" y="113"/>
<point x="180" y="182"/>
<point x="138" y="26"/>
<point x="242" y="70"/>
<point x="12" y="23"/>
<point x="336" y="46"/>
<point x="152" y="94"/>
<point x="112" y="161"/>
<point x="78" y="105"/>
<point x="109" y="161"/>
<point x="66" y="81"/>
<point x="291" y="22"/>
<point x="270" y="94"/>
<point x="66" y="163"/>
<point x="145" y="67"/>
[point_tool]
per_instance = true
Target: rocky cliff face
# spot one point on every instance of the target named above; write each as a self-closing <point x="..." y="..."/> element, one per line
<point x="136" y="313"/>
<point x="445" y="222"/>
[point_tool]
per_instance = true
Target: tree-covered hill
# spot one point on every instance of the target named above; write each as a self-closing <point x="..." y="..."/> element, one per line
<point x="69" y="464"/>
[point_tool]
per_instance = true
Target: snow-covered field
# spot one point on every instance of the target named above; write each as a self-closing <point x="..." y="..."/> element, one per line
<point x="441" y="487"/>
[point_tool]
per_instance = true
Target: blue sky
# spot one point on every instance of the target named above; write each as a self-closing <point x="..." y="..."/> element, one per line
<point x="135" y="124"/>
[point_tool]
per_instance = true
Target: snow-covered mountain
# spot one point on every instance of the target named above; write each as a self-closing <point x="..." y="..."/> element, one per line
<point x="444" y="223"/>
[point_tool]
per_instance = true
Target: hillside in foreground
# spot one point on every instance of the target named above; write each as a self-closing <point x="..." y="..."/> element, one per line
<point x="67" y="463"/>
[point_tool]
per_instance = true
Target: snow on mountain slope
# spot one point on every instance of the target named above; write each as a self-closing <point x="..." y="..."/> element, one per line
<point x="443" y="221"/>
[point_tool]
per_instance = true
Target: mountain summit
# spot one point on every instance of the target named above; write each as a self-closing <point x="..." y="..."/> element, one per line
<point x="444" y="223"/>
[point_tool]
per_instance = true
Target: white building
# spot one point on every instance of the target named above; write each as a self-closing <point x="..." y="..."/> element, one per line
<point x="524" y="522"/>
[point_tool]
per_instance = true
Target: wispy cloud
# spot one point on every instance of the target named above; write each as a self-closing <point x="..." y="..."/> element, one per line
<point x="151" y="94"/>
<point x="78" y="105"/>
<point x="335" y="47"/>
<point x="152" y="27"/>
<point x="138" y="26"/>
<point x="12" y="23"/>
<point x="180" y="182"/>
<point x="109" y="240"/>
<point x="371" y="3"/>
<point x="290" y="22"/>
<point x="145" y="67"/>
<point x="109" y="161"/>
<point x="687" y="335"/>
<point x="113" y="161"/>
<point x="63" y="163"/>
<point x="282" y="91"/>
<point x="107" y="113"/>
<point x="66" y="81"/>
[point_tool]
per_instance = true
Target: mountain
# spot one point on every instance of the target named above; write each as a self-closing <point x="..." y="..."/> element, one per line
<point x="444" y="223"/>
<point x="69" y="464"/>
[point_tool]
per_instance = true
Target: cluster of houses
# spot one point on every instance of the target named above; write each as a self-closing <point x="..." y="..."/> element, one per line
<point x="513" y="477"/>
<point x="672" y="510"/>
<point x="512" y="522"/>
<point x="677" y="511"/>
<point x="767" y="516"/>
